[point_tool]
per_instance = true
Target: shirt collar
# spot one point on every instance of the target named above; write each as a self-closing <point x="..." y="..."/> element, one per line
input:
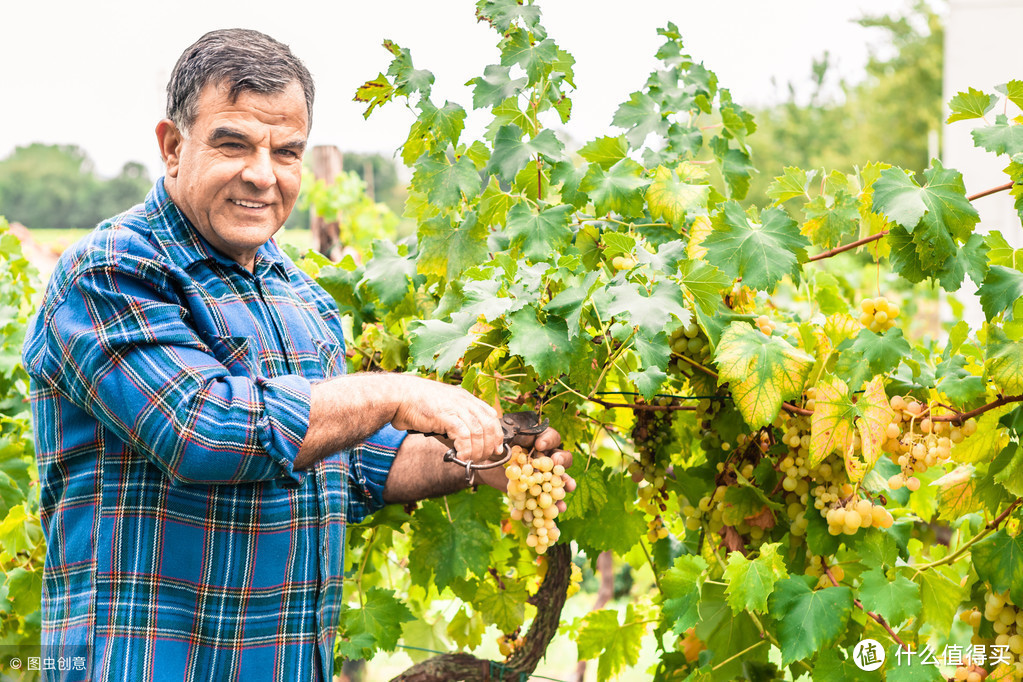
<point x="186" y="246"/>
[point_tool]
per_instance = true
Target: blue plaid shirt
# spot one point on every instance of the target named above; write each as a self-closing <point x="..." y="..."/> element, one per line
<point x="170" y="395"/>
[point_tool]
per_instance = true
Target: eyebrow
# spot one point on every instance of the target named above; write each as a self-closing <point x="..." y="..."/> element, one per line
<point x="225" y="132"/>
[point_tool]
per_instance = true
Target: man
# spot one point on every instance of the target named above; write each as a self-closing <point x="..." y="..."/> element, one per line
<point x="200" y="452"/>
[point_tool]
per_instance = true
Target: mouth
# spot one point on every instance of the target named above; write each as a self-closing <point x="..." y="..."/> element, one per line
<point x="248" y="204"/>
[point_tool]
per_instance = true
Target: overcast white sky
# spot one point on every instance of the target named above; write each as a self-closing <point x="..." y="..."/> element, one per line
<point x="93" y="73"/>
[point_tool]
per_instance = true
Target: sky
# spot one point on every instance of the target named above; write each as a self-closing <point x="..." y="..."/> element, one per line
<point x="94" y="73"/>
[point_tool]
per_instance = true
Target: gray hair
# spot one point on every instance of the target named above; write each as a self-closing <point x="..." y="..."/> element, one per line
<point x="242" y="59"/>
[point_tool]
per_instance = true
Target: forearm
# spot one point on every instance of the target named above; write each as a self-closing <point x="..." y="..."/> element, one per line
<point x="344" y="412"/>
<point x="419" y="471"/>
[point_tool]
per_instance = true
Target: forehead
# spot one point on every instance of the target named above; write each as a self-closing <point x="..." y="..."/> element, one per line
<point x="285" y="109"/>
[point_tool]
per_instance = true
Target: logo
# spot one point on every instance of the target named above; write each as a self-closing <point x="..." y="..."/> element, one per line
<point x="868" y="654"/>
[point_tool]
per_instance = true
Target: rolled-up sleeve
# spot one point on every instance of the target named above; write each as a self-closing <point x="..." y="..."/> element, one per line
<point x="117" y="344"/>
<point x="370" y="464"/>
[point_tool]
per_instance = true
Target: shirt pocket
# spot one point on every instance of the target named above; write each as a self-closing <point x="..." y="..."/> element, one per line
<point x="332" y="358"/>
<point x="235" y="353"/>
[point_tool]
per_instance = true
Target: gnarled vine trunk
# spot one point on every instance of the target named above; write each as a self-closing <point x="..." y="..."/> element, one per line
<point x="548" y="600"/>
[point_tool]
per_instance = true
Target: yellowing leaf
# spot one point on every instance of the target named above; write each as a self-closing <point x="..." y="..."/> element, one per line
<point x="699" y="231"/>
<point x="836" y="417"/>
<point x="987" y="442"/>
<point x="956" y="493"/>
<point x="840" y="327"/>
<point x="763" y="371"/>
<point x="670" y="198"/>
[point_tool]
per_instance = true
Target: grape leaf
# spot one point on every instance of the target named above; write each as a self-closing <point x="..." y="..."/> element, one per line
<point x="870" y="354"/>
<point x="1004" y="137"/>
<point x="615" y="645"/>
<point x="829" y="224"/>
<point x="630" y="304"/>
<point x="940" y="204"/>
<point x="835" y="416"/>
<point x="504" y="605"/>
<point x="790" y="185"/>
<point x="438" y="345"/>
<point x="407" y="79"/>
<point x="590" y="493"/>
<point x="808" y="620"/>
<point x="494" y="86"/>
<point x="466" y="631"/>
<point x="444" y="182"/>
<point x="618" y="512"/>
<point x="761" y="253"/>
<point x="452" y="539"/>
<point x="960" y="385"/>
<point x="940" y="595"/>
<point x="618" y="189"/>
<point x="542" y="234"/>
<point x="1004" y="362"/>
<point x="704" y="282"/>
<point x="763" y="371"/>
<point x="736" y="167"/>
<point x="512" y="153"/>
<point x="434" y="130"/>
<point x="641" y="117"/>
<point x="376" y="624"/>
<point x="725" y="633"/>
<point x="956" y="493"/>
<point x="998" y="559"/>
<point x="502" y="13"/>
<point x="1007" y="469"/>
<point x="970" y="259"/>
<point x="1013" y="91"/>
<point x="389" y="272"/>
<point x="680" y="590"/>
<point x="895" y="600"/>
<point x="605" y="151"/>
<point x="831" y="667"/>
<point x="670" y="199"/>
<point x="904" y="667"/>
<point x="750" y="583"/>
<point x="970" y="104"/>
<point x="535" y="57"/>
<point x="374" y="92"/>
<point x="999" y="290"/>
<point x="989" y="439"/>
<point x="546" y="346"/>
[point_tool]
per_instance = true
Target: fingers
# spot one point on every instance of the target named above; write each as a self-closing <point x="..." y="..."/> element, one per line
<point x="548" y="440"/>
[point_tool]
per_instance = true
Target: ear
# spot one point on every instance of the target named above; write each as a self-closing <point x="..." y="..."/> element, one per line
<point x="170" y="139"/>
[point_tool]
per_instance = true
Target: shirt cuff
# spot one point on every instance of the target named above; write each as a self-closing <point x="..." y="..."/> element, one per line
<point x="285" y="420"/>
<point x="371" y="463"/>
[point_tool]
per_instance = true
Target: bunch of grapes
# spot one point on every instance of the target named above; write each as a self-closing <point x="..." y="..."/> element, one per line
<point x="1007" y="621"/>
<point x="765" y="325"/>
<point x="856" y="513"/>
<point x="691" y="342"/>
<point x="815" y="565"/>
<point x="716" y="512"/>
<point x="878" y="314"/>
<point x="535" y="484"/>
<point x="653" y="438"/>
<point x="916" y="442"/>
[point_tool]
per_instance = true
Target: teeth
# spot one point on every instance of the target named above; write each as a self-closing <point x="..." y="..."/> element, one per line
<point x="248" y="204"/>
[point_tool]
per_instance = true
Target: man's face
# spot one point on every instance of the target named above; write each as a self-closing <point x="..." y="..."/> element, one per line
<point x="236" y="174"/>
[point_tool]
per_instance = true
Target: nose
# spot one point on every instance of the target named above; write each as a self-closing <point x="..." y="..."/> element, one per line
<point x="259" y="170"/>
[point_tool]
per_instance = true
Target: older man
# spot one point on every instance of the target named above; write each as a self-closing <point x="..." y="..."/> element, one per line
<point x="200" y="450"/>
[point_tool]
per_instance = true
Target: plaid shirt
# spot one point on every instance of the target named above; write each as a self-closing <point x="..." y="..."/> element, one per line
<point x="170" y="394"/>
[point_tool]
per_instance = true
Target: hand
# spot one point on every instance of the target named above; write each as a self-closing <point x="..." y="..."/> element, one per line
<point x="549" y="442"/>
<point x="429" y="406"/>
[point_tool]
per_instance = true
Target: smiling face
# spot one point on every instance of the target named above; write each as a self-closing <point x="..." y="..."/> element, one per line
<point x="236" y="174"/>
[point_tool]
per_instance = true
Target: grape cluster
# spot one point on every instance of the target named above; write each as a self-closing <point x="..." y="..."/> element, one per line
<point x="857" y="513"/>
<point x="916" y="442"/>
<point x="765" y="325"/>
<point x="689" y="341"/>
<point x="717" y="513"/>
<point x="1007" y="621"/>
<point x="653" y="438"/>
<point x="878" y="314"/>
<point x="535" y="484"/>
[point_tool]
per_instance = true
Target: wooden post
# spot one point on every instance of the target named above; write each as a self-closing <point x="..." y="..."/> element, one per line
<point x="327" y="165"/>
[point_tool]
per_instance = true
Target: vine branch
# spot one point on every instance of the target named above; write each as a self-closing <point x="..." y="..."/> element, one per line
<point x="987" y="530"/>
<point x="960" y="417"/>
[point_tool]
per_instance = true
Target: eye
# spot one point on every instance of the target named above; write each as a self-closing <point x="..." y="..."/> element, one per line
<point x="288" y="153"/>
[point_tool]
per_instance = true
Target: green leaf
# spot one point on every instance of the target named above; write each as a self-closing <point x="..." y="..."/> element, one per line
<point x="1004" y="137"/>
<point x="726" y="633"/>
<point x="763" y="371"/>
<point x="910" y="668"/>
<point x="512" y="153"/>
<point x="791" y="184"/>
<point x="615" y="644"/>
<point x="590" y="493"/>
<point x="970" y="259"/>
<point x="451" y="539"/>
<point x="541" y="235"/>
<point x="761" y="253"/>
<point x="407" y="79"/>
<point x="651" y="312"/>
<point x="618" y="189"/>
<point x="605" y="151"/>
<point x="618" y="512"/>
<point x="989" y="439"/>
<point x="640" y="116"/>
<point x="438" y="345"/>
<point x="434" y="130"/>
<point x="998" y="560"/>
<point x="375" y="92"/>
<point x="680" y="590"/>
<point x="829" y="224"/>
<point x="617" y="244"/>
<point x="940" y="204"/>
<point x="535" y="58"/>
<point x="376" y="624"/>
<point x="465" y="630"/>
<point x="895" y="600"/>
<point x="447" y="249"/>
<point x="704" y="283"/>
<point x="1007" y="469"/>
<point x="444" y="182"/>
<point x="750" y="583"/>
<point x="808" y="620"/>
<point x="1004" y="363"/>
<point x="544" y="346"/>
<point x="388" y="273"/>
<point x="494" y="86"/>
<point x="940" y="595"/>
<point x="1013" y="91"/>
<point x="501" y="14"/>
<point x="670" y="199"/>
<point x="504" y="606"/>
<point x="870" y="354"/>
<point x="999" y="290"/>
<point x="960" y="385"/>
<point x="736" y="167"/>
<point x="970" y="104"/>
